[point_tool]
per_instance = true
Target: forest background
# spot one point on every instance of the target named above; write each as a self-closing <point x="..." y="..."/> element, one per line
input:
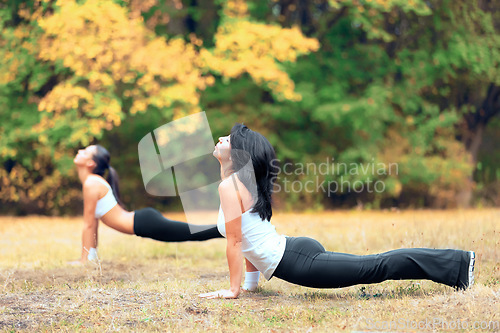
<point x="367" y="82"/>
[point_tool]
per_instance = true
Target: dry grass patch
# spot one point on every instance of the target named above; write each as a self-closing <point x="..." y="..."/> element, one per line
<point x="144" y="285"/>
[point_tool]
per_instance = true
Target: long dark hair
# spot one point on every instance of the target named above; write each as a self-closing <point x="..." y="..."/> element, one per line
<point x="101" y="159"/>
<point x="257" y="147"/>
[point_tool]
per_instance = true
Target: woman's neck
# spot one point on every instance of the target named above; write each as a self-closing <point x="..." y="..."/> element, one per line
<point x="83" y="173"/>
<point x="224" y="168"/>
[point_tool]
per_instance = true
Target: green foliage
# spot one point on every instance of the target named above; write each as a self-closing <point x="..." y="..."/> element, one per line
<point x="391" y="90"/>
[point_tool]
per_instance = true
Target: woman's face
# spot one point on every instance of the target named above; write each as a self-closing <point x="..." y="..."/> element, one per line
<point x="222" y="150"/>
<point x="84" y="156"/>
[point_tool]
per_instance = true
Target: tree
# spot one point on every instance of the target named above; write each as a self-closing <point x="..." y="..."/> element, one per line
<point x="394" y="82"/>
<point x="91" y="65"/>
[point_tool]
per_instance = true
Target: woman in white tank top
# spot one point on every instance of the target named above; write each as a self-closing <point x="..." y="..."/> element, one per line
<point x="248" y="173"/>
<point x="245" y="213"/>
<point x="101" y="200"/>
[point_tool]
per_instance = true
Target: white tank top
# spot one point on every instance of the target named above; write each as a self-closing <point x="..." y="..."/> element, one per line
<point x="261" y="244"/>
<point x="107" y="202"/>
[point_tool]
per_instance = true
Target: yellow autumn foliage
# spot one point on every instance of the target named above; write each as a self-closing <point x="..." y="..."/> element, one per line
<point x="243" y="46"/>
<point x="104" y="48"/>
<point x="108" y="65"/>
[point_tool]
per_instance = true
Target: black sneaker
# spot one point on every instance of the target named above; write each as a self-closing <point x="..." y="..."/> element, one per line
<point x="466" y="279"/>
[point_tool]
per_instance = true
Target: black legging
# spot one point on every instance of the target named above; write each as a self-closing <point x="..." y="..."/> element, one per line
<point x="306" y="263"/>
<point x="148" y="222"/>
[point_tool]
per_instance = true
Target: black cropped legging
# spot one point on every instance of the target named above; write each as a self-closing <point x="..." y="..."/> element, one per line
<point x="306" y="263"/>
<point x="150" y="223"/>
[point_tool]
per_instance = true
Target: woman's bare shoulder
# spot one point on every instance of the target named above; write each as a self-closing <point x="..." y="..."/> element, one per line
<point x="227" y="185"/>
<point x="231" y="185"/>
<point x="94" y="181"/>
<point x="232" y="182"/>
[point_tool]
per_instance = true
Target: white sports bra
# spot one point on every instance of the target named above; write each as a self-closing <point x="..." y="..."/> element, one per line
<point x="107" y="202"/>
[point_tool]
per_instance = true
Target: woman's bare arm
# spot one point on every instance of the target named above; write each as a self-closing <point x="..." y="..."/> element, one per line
<point x="90" y="223"/>
<point x="232" y="214"/>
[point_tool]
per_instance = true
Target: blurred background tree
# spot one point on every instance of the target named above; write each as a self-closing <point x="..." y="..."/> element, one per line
<point x="371" y="82"/>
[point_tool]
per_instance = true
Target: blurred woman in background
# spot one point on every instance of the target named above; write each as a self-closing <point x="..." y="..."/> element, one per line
<point x="101" y="201"/>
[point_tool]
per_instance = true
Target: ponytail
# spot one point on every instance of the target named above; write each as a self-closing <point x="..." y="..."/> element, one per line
<point x="114" y="183"/>
<point x="101" y="158"/>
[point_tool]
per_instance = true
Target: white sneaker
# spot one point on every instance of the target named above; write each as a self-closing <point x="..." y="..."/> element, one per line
<point x="471" y="269"/>
<point x="467" y="280"/>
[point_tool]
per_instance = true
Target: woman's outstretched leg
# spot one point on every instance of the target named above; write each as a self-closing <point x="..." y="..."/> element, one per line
<point x="150" y="223"/>
<point x="306" y="263"/>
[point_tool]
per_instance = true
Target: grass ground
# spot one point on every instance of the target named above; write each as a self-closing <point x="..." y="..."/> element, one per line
<point x="144" y="285"/>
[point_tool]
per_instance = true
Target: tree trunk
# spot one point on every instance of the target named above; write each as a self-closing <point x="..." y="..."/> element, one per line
<point x="464" y="197"/>
<point x="472" y="136"/>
